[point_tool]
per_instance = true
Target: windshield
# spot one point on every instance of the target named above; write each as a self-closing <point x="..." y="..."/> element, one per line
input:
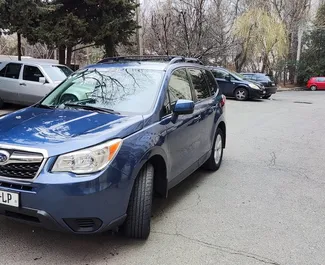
<point x="57" y="72"/>
<point x="124" y="90"/>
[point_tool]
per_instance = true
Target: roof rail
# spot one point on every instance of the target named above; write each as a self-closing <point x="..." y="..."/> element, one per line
<point x="166" y="58"/>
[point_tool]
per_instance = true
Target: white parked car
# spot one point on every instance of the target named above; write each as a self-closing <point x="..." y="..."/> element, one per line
<point x="27" y="82"/>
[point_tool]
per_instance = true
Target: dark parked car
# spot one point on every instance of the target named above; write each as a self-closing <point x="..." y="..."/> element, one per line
<point x="234" y="85"/>
<point x="265" y="80"/>
<point x="94" y="164"/>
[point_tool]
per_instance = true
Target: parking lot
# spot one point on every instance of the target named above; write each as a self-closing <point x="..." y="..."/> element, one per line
<point x="264" y="206"/>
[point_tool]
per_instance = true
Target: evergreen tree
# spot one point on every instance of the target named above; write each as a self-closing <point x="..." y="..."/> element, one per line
<point x="20" y="17"/>
<point x="312" y="62"/>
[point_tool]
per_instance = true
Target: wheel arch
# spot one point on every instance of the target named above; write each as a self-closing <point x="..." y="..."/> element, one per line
<point x="222" y="126"/>
<point x="158" y="159"/>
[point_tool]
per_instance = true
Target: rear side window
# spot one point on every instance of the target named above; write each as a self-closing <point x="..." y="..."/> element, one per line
<point x="32" y="73"/>
<point x="179" y="87"/>
<point x="213" y="85"/>
<point x="12" y="70"/>
<point x="321" y="79"/>
<point x="200" y="84"/>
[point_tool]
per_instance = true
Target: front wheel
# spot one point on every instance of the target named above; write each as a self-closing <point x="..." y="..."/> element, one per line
<point x="241" y="94"/>
<point x="137" y="224"/>
<point x="215" y="159"/>
<point x="313" y="88"/>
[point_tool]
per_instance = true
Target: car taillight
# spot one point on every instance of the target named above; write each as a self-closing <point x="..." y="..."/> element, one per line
<point x="223" y="101"/>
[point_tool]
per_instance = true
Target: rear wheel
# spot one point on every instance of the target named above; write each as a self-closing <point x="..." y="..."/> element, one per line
<point x="241" y="94"/>
<point x="313" y="88"/>
<point x="215" y="159"/>
<point x="137" y="224"/>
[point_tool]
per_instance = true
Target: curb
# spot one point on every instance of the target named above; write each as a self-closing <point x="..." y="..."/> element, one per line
<point x="291" y="89"/>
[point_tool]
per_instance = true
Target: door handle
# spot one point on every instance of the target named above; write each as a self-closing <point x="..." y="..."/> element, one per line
<point x="22" y="84"/>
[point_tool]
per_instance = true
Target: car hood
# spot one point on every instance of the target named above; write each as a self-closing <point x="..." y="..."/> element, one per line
<point x="60" y="130"/>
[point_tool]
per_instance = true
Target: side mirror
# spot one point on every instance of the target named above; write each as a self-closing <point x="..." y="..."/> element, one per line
<point x="183" y="107"/>
<point x="42" y="80"/>
<point x="228" y="78"/>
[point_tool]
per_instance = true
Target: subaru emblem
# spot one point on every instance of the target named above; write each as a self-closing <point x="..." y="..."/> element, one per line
<point x="4" y="157"/>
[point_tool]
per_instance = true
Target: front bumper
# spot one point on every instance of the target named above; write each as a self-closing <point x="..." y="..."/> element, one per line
<point x="91" y="205"/>
<point x="254" y="93"/>
<point x="271" y="90"/>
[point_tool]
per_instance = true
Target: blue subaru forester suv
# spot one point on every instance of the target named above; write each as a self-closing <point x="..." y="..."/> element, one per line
<point x="90" y="156"/>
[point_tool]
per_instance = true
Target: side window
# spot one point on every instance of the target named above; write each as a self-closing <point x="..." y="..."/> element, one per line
<point x="3" y="71"/>
<point x="179" y="87"/>
<point x="211" y="81"/>
<point x="200" y="84"/>
<point x="12" y="70"/>
<point x="166" y="108"/>
<point x="320" y="79"/>
<point x="32" y="73"/>
<point x="220" y="74"/>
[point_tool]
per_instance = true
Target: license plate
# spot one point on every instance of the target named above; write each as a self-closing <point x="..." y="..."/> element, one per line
<point x="9" y="198"/>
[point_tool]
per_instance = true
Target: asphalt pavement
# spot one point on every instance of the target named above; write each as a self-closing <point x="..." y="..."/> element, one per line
<point x="266" y="205"/>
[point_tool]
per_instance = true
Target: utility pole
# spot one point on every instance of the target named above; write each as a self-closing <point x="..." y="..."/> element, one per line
<point x="139" y="30"/>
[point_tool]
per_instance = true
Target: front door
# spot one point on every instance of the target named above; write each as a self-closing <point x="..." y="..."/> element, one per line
<point x="9" y="82"/>
<point x="31" y="89"/>
<point x="183" y="134"/>
<point x="321" y="83"/>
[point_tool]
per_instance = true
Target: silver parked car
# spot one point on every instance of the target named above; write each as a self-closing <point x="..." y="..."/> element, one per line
<point x="27" y="82"/>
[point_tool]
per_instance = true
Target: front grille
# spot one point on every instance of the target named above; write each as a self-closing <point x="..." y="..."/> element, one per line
<point x="23" y="217"/>
<point x="16" y="186"/>
<point x="20" y="165"/>
<point x="21" y="171"/>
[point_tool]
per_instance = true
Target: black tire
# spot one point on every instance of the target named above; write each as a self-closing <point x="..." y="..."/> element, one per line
<point x="313" y="88"/>
<point x="241" y="94"/>
<point x="267" y="96"/>
<point x="212" y="163"/>
<point x="137" y="223"/>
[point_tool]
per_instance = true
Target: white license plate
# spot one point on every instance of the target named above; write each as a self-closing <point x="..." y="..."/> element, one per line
<point x="9" y="198"/>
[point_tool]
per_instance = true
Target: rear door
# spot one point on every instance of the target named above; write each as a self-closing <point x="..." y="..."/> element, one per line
<point x="32" y="90"/>
<point x="183" y="133"/>
<point x="9" y="82"/>
<point x="227" y="87"/>
<point x="204" y="106"/>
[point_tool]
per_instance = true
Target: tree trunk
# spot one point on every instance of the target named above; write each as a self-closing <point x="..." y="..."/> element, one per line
<point x="110" y="48"/>
<point x="62" y="54"/>
<point x="69" y="55"/>
<point x="293" y="56"/>
<point x="19" y="46"/>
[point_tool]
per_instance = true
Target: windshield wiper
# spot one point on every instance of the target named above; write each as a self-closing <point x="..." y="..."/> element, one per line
<point x="87" y="107"/>
<point x="45" y="106"/>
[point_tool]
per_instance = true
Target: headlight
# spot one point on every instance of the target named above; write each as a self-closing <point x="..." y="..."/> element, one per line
<point x="89" y="160"/>
<point x="254" y="86"/>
